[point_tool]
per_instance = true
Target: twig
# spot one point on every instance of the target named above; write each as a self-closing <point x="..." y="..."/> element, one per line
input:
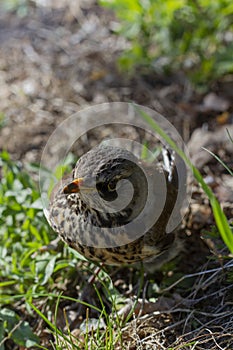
<point x="214" y="271"/>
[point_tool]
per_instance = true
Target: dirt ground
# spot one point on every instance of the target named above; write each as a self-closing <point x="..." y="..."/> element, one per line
<point x="56" y="60"/>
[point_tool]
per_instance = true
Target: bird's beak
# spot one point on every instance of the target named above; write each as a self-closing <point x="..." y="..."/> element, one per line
<point x="74" y="186"/>
<point x="78" y="185"/>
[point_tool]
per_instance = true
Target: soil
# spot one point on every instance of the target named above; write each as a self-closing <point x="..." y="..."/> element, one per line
<point x="59" y="58"/>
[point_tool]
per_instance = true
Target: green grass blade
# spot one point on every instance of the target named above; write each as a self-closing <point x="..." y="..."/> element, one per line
<point x="220" y="161"/>
<point x="50" y="324"/>
<point x="220" y="218"/>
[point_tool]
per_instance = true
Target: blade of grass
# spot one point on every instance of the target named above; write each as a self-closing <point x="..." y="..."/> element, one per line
<point x="229" y="135"/>
<point x="219" y="160"/>
<point x="55" y="316"/>
<point x="220" y="218"/>
<point x="51" y="295"/>
<point x="50" y="324"/>
<point x="7" y="283"/>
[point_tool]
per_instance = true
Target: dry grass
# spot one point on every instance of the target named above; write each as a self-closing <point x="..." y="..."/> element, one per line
<point x="201" y="320"/>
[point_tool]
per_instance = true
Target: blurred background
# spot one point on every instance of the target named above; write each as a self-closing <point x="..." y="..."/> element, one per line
<point x="58" y="56"/>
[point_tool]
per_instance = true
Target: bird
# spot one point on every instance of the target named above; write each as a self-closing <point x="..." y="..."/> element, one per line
<point x="114" y="208"/>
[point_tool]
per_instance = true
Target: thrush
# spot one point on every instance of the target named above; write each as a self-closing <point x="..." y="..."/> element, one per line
<point x="114" y="208"/>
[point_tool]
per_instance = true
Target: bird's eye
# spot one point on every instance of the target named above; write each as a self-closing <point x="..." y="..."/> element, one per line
<point x="107" y="191"/>
<point x="112" y="185"/>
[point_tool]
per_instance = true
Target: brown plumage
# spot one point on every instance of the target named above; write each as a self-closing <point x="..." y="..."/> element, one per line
<point x="115" y="209"/>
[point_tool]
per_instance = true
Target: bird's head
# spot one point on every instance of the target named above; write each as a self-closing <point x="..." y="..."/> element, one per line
<point x="108" y="178"/>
